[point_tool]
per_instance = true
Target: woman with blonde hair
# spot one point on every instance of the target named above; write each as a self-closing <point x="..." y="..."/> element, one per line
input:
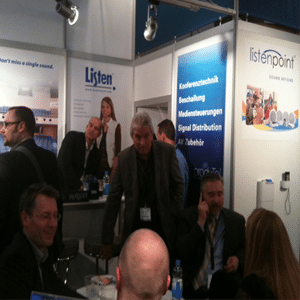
<point x="269" y="254"/>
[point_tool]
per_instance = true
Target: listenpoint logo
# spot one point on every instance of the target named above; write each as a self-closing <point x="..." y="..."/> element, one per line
<point x="272" y="57"/>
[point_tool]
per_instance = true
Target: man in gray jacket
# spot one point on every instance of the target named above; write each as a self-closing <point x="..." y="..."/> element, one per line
<point x="149" y="176"/>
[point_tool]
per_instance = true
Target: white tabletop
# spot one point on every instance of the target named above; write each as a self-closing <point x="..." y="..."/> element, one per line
<point x="83" y="292"/>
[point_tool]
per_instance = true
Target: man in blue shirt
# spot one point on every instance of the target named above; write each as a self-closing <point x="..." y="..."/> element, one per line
<point x="166" y="134"/>
<point x="210" y="239"/>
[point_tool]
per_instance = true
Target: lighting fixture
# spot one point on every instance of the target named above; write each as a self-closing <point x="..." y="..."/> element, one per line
<point x="68" y="10"/>
<point x="151" y="24"/>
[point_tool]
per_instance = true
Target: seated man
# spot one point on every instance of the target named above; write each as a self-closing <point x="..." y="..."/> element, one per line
<point x="210" y="238"/>
<point x="143" y="270"/>
<point x="27" y="264"/>
<point x="79" y="155"/>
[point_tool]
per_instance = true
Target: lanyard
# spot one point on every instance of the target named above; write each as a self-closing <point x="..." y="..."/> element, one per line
<point x="212" y="242"/>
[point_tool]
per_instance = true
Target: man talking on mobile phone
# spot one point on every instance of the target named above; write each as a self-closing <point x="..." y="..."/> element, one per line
<point x="211" y="238"/>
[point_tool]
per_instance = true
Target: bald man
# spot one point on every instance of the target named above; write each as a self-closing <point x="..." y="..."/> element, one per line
<point x="143" y="269"/>
<point x="79" y="155"/>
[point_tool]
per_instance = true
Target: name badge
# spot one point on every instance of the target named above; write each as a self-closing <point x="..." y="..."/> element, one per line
<point x="145" y="214"/>
<point x="209" y="281"/>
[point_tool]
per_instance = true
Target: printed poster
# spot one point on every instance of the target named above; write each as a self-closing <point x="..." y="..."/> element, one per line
<point x="31" y="79"/>
<point x="270" y="104"/>
<point x="201" y="91"/>
<point x="101" y="90"/>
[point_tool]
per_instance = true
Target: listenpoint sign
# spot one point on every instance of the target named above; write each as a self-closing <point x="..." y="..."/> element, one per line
<point x="201" y="89"/>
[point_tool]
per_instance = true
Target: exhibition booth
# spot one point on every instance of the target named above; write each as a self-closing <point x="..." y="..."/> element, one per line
<point x="206" y="84"/>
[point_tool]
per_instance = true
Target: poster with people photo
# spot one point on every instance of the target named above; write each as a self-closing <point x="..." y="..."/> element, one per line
<point x="102" y="90"/>
<point x="260" y="109"/>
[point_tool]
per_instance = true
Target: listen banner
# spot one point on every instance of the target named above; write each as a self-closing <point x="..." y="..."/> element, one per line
<point x="90" y="83"/>
<point x="201" y="93"/>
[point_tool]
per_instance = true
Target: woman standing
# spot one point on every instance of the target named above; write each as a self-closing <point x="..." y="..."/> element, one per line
<point x="109" y="141"/>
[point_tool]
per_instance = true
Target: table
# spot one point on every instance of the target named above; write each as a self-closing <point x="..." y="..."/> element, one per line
<point x="82" y="291"/>
<point x="82" y="219"/>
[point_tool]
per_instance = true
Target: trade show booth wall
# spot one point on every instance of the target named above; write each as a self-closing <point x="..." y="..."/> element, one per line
<point x="207" y="84"/>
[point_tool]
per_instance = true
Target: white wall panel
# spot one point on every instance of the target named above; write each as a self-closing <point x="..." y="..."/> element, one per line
<point x="266" y="154"/>
<point x="31" y="21"/>
<point x="104" y="28"/>
<point x="154" y="78"/>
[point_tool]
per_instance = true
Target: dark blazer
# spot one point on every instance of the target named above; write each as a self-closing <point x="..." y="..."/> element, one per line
<point x="71" y="159"/>
<point x="169" y="191"/>
<point x="19" y="273"/>
<point x="190" y="244"/>
<point x="17" y="173"/>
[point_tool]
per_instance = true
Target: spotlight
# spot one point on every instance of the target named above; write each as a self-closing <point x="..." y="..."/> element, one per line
<point x="68" y="10"/>
<point x="151" y="24"/>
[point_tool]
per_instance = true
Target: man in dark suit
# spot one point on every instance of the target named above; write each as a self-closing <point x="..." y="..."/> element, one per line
<point x="149" y="176"/>
<point x="17" y="171"/>
<point x="210" y="238"/>
<point x="26" y="264"/>
<point x="79" y="155"/>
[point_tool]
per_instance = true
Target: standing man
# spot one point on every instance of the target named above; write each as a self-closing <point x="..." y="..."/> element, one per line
<point x="18" y="169"/>
<point x="26" y="265"/>
<point x="166" y="134"/>
<point x="149" y="176"/>
<point x="143" y="267"/>
<point x="210" y="238"/>
<point x="79" y="155"/>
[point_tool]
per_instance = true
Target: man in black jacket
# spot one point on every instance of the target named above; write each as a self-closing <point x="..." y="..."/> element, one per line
<point x="79" y="155"/>
<point x="205" y="249"/>
<point x="26" y="265"/>
<point x="18" y="172"/>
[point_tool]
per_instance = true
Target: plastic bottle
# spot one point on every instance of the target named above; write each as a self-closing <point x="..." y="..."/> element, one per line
<point x="177" y="283"/>
<point x="106" y="184"/>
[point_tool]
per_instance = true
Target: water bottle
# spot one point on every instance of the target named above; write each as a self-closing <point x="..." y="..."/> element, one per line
<point x="106" y="184"/>
<point x="177" y="283"/>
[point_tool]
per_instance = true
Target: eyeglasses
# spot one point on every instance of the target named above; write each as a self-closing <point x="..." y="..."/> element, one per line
<point x="7" y="124"/>
<point x="48" y="217"/>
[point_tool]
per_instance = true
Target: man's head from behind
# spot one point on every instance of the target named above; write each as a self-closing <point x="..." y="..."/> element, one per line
<point x="166" y="132"/>
<point x="19" y="124"/>
<point x="143" y="269"/>
<point x="212" y="189"/>
<point x="39" y="214"/>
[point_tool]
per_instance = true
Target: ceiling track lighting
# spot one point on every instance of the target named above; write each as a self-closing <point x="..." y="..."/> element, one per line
<point x="68" y="10"/>
<point x="151" y="24"/>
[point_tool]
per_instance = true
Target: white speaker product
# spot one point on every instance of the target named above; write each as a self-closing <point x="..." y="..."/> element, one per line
<point x="273" y="118"/>
<point x="265" y="194"/>
<point x="292" y="120"/>
<point x="285" y="117"/>
<point x="279" y="117"/>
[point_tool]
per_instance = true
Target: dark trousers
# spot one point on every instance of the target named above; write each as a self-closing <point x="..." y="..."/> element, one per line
<point x="223" y="286"/>
<point x="189" y="292"/>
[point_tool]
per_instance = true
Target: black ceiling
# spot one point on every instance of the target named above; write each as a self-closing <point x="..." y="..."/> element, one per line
<point x="175" y="21"/>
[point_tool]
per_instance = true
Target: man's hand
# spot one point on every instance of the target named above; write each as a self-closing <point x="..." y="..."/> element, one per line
<point x="232" y="264"/>
<point x="203" y="211"/>
<point x="106" y="251"/>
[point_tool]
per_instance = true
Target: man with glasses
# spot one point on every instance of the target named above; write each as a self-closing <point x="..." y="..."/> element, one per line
<point x="26" y="264"/>
<point x="19" y="169"/>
